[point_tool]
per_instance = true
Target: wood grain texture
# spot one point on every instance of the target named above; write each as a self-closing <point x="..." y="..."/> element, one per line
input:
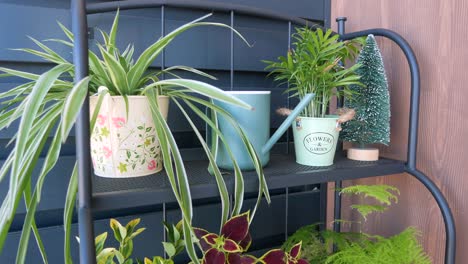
<point x="437" y="32"/>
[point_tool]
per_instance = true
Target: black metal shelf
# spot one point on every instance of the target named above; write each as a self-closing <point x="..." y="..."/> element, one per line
<point x="282" y="172"/>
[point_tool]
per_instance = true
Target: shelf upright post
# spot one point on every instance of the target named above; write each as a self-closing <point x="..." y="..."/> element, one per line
<point x="80" y="59"/>
<point x="163" y="33"/>
<point x="338" y="184"/>
<point x="288" y="135"/>
<point x="231" y="43"/>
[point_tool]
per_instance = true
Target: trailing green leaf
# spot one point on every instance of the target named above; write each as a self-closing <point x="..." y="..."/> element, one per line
<point x="72" y="107"/>
<point x="223" y="192"/>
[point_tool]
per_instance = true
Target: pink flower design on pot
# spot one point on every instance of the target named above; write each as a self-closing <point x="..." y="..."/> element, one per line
<point x="101" y="119"/>
<point x="118" y="122"/>
<point x="107" y="151"/>
<point x="152" y="165"/>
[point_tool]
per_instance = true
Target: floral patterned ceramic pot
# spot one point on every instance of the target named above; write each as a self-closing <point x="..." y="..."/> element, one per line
<point x="126" y="146"/>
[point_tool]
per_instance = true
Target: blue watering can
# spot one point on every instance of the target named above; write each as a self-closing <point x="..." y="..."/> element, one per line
<point x="255" y="124"/>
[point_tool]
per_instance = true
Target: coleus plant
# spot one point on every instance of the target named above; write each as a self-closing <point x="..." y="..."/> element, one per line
<point x="231" y="245"/>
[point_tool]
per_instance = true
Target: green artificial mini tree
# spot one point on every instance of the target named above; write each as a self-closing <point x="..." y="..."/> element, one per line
<point x="371" y="101"/>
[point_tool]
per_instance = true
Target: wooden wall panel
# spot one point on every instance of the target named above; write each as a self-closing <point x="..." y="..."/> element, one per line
<point x="437" y="32"/>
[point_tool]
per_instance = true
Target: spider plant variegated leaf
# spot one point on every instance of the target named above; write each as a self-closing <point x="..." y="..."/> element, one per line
<point x="47" y="106"/>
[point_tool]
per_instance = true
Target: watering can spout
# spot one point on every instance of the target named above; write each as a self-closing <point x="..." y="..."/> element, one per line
<point x="287" y="123"/>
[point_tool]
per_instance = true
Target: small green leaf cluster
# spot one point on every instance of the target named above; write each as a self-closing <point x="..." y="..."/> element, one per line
<point x="124" y="236"/>
<point x="175" y="243"/>
<point x="314" y="65"/>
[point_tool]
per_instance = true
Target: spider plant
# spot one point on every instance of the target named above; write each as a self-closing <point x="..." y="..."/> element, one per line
<point x="314" y="66"/>
<point x="47" y="106"/>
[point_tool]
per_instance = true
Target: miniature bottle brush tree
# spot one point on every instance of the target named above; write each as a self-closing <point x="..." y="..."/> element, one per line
<point x="371" y="103"/>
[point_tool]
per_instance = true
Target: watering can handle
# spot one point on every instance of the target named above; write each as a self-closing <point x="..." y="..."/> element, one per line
<point x="288" y="122"/>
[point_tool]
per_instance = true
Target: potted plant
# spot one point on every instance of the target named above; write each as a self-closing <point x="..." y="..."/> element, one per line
<point x="372" y="105"/>
<point x="314" y="66"/>
<point x="51" y="100"/>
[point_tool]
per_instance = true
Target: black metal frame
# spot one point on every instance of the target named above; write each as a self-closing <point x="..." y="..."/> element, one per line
<point x="79" y="11"/>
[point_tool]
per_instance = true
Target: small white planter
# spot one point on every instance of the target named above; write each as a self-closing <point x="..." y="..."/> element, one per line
<point x="124" y="146"/>
<point x="315" y="140"/>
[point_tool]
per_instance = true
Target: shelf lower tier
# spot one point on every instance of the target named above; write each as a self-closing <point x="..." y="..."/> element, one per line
<point x="281" y="172"/>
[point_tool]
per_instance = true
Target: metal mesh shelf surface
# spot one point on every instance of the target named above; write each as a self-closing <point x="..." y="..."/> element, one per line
<point x="281" y="172"/>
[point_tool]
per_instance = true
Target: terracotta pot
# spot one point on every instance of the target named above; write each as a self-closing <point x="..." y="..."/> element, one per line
<point x="126" y="145"/>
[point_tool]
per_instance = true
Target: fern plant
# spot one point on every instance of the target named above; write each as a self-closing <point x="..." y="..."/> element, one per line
<point x="360" y="247"/>
<point x="403" y="248"/>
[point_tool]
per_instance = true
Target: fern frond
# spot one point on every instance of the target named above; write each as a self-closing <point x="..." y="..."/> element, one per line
<point x="384" y="194"/>
<point x="366" y="209"/>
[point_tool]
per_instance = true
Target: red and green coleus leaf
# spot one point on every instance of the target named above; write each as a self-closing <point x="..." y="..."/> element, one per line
<point x="236" y="228"/>
<point x="246" y="242"/>
<point x="275" y="256"/>
<point x="295" y="251"/>
<point x="200" y="233"/>
<point x="214" y="256"/>
<point x="229" y="246"/>
<point x="211" y="239"/>
<point x="236" y="258"/>
<point x="295" y="254"/>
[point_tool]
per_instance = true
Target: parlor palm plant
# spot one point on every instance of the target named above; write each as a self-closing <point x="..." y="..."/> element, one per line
<point x="51" y="100"/>
<point x="315" y="65"/>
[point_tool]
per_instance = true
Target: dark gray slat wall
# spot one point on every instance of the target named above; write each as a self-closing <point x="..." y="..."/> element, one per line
<point x="20" y="21"/>
<point x="55" y="186"/>
<point x="37" y="18"/>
